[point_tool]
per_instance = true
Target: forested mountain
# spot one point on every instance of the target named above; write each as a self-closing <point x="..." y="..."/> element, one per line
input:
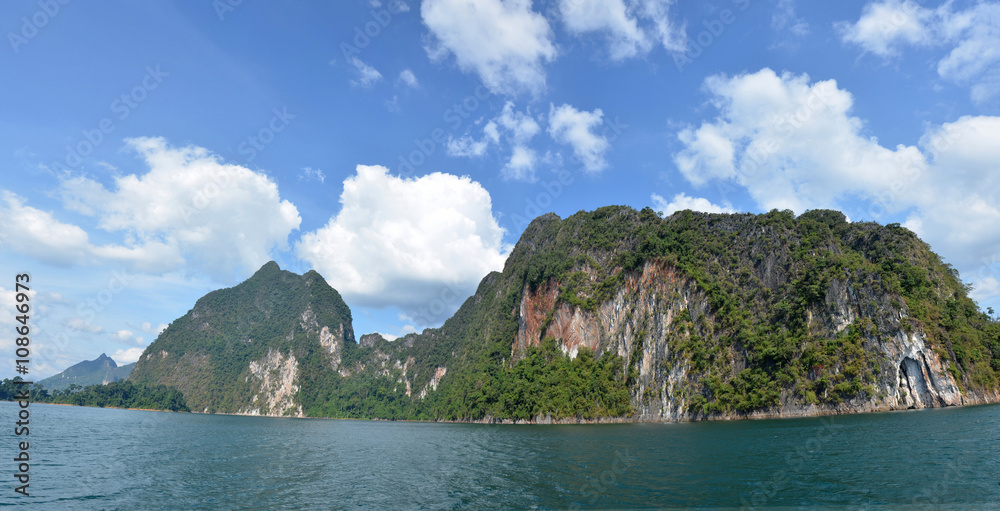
<point x="614" y="314"/>
<point x="257" y="348"/>
<point x="102" y="369"/>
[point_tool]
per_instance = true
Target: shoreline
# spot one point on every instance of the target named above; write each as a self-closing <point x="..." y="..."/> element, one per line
<point x="107" y="407"/>
<point x="570" y="421"/>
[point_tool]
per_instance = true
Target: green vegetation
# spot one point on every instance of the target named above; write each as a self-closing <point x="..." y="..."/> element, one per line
<point x="122" y="394"/>
<point x="776" y="309"/>
<point x="546" y="383"/>
<point x="89" y="372"/>
<point x="206" y="353"/>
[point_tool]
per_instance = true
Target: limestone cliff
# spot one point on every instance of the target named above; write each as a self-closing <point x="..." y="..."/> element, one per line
<point x="614" y="315"/>
<point x="714" y="316"/>
<point x="264" y="347"/>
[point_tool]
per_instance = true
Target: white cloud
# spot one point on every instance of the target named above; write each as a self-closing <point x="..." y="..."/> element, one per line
<point x="625" y="39"/>
<point x="29" y="231"/>
<point x="521" y="166"/>
<point x="407" y="242"/>
<point x="793" y="144"/>
<point x="83" y="325"/>
<point x="410" y="79"/>
<point x="38" y="234"/>
<point x="620" y="23"/>
<point x="574" y="127"/>
<point x="309" y="173"/>
<point x="520" y="128"/>
<point x="971" y="36"/>
<point x="190" y="210"/>
<point x="681" y="202"/>
<point x="505" y="43"/>
<point x="520" y="125"/>
<point x="784" y="18"/>
<point x="975" y="58"/>
<point x="516" y="129"/>
<point x="884" y="25"/>
<point x="466" y="146"/>
<point x="670" y="34"/>
<point x="367" y="75"/>
<point x="124" y="357"/>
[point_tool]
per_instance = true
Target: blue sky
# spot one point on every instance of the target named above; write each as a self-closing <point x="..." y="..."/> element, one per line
<point x="152" y="152"/>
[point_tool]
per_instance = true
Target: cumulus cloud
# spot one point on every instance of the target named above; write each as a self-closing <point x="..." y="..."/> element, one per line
<point x="793" y="144"/>
<point x="630" y="28"/>
<point x="33" y="232"/>
<point x="576" y="128"/>
<point x="681" y="202"/>
<point x="408" y="78"/>
<point x="38" y="234"/>
<point x="189" y="210"/>
<point x="971" y="38"/>
<point x="124" y="357"/>
<point x="367" y="75"/>
<point x="885" y="25"/>
<point x="505" y="43"/>
<point x="406" y="242"/>
<point x="516" y="129"/>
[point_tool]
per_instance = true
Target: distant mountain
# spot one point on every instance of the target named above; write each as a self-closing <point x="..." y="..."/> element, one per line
<point x="101" y="370"/>
<point x="614" y="314"/>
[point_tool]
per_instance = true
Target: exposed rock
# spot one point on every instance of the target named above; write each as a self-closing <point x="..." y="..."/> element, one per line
<point x="274" y="377"/>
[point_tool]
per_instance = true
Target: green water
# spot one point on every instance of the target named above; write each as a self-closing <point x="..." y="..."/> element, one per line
<point x="86" y="458"/>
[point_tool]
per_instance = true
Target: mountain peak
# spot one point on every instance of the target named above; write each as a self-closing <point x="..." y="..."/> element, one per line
<point x="269" y="267"/>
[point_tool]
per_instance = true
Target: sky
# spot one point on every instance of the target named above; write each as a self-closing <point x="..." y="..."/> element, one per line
<point x="151" y="152"/>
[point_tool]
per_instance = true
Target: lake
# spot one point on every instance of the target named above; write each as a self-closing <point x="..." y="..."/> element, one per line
<point x="91" y="458"/>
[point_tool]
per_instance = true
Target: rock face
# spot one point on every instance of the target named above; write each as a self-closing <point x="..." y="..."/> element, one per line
<point x="647" y="305"/>
<point x="255" y="348"/>
<point x="275" y="392"/>
<point x="657" y="310"/>
<point x="690" y="317"/>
